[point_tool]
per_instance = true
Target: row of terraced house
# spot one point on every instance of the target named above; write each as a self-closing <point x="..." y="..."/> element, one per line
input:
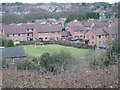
<point x="92" y="32"/>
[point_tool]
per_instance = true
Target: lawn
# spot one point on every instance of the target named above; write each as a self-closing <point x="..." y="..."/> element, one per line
<point x="40" y="49"/>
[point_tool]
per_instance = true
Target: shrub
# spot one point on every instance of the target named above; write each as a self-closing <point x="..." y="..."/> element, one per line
<point x="6" y="43"/>
<point x="26" y="42"/>
<point x="25" y="64"/>
<point x="9" y="43"/>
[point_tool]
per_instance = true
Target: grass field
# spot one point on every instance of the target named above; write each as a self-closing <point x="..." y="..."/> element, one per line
<point x="40" y="49"/>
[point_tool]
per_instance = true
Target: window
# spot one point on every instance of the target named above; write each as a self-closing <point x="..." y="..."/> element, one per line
<point x="92" y="37"/>
<point x="113" y="36"/>
<point x="92" y="42"/>
<point x="103" y="42"/>
<point x="46" y="33"/>
<point x="7" y="35"/>
<point x="23" y="34"/>
<point x="46" y="38"/>
<point x="24" y="39"/>
<point x="99" y="42"/>
<point x="18" y="34"/>
<point x="13" y="34"/>
<point x="80" y="35"/>
<point x="99" y="36"/>
<point x="27" y="29"/>
<point x="88" y="37"/>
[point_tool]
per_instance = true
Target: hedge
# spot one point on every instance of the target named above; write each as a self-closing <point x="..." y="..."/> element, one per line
<point x="84" y="46"/>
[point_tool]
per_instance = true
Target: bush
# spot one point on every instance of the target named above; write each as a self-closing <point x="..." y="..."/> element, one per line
<point x="26" y="42"/>
<point x="6" y="43"/>
<point x="26" y="65"/>
<point x="9" y="43"/>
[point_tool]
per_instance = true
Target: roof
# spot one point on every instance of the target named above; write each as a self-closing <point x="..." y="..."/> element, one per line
<point x="52" y="20"/>
<point x="40" y="20"/>
<point x="98" y="31"/>
<point x="111" y="30"/>
<point x="88" y="23"/>
<point x="104" y="19"/>
<point x="15" y="30"/>
<point x="63" y="19"/>
<point x="101" y="24"/>
<point x="65" y="34"/>
<point x="73" y="23"/>
<point x="23" y="28"/>
<point x="77" y="28"/>
<point x="12" y="52"/>
<point x="48" y="28"/>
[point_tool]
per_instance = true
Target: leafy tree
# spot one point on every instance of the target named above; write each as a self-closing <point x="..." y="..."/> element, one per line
<point x="9" y="43"/>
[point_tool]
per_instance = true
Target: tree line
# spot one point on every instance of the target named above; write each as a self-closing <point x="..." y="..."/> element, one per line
<point x="79" y="14"/>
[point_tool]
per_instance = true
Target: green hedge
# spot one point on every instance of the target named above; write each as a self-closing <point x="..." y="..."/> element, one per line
<point x="84" y="46"/>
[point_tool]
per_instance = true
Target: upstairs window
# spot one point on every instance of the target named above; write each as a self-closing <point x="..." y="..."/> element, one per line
<point x="99" y="36"/>
<point x="88" y="37"/>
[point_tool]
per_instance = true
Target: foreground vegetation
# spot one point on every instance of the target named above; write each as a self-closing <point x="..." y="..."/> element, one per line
<point x="106" y="78"/>
<point x="62" y="70"/>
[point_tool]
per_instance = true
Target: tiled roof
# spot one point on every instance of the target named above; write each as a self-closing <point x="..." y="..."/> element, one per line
<point x="65" y="33"/>
<point x="14" y="30"/>
<point x="88" y="23"/>
<point x="73" y="23"/>
<point x="111" y="30"/>
<point x="48" y="28"/>
<point x="101" y="24"/>
<point x="12" y="52"/>
<point x="77" y="28"/>
<point x="23" y="28"/>
<point x="98" y="31"/>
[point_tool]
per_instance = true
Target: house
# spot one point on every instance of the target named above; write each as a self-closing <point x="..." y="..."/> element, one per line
<point x="97" y="36"/>
<point x="66" y="35"/>
<point x="101" y="24"/>
<point x="74" y="23"/>
<point x="29" y="32"/>
<point x="88" y="24"/>
<point x="47" y="32"/>
<point x="17" y="33"/>
<point x="51" y="21"/>
<point x="113" y="33"/>
<point x="77" y="31"/>
<point x="12" y="54"/>
<point x="40" y="21"/>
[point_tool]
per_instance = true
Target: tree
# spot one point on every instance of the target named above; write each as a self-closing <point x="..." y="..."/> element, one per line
<point x="9" y="43"/>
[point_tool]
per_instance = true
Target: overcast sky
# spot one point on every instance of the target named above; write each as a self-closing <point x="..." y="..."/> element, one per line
<point x="59" y="1"/>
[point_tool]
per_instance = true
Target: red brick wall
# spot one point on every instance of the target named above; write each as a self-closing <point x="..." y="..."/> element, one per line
<point x="78" y="33"/>
<point x="17" y="38"/>
<point x="95" y="39"/>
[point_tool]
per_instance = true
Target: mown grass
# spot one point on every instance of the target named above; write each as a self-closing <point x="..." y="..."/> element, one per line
<point x="40" y="49"/>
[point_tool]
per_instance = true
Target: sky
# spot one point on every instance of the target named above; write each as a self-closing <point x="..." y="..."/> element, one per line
<point x="59" y="1"/>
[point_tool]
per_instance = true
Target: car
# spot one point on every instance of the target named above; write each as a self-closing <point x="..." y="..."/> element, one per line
<point x="102" y="47"/>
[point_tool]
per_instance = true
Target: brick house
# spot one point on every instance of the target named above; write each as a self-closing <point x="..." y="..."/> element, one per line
<point x="74" y="23"/>
<point x="28" y="32"/>
<point x="113" y="33"/>
<point x="16" y="33"/>
<point x="97" y="36"/>
<point x="88" y="24"/>
<point x="101" y="24"/>
<point x="77" y="31"/>
<point x="47" y="32"/>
